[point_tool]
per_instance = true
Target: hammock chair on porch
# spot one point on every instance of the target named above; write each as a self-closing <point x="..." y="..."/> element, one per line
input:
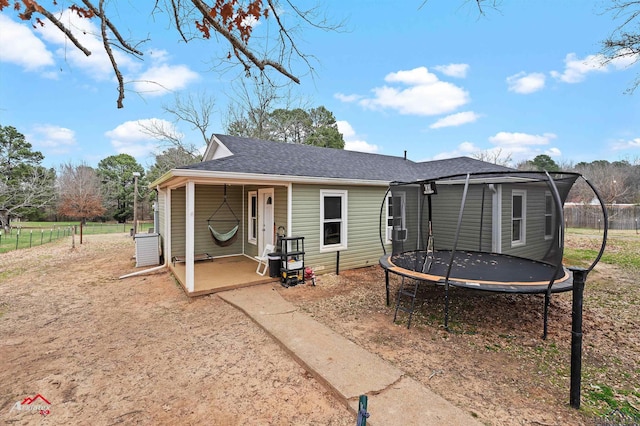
<point x="224" y="239"/>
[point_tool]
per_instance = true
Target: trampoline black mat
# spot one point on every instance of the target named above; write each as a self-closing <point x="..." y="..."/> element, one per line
<point x="480" y="270"/>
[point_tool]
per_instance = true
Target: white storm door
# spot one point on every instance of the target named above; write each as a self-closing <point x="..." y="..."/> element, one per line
<point x="265" y="218"/>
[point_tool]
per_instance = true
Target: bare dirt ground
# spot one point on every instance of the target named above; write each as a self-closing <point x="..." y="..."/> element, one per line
<point x="138" y="351"/>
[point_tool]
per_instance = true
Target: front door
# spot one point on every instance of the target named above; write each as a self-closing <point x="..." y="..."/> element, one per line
<point x="265" y="218"/>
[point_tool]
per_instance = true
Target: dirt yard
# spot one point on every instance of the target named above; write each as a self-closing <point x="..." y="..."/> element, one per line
<point x="138" y="351"/>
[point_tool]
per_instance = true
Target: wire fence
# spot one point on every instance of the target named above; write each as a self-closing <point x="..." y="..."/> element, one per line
<point x="35" y="234"/>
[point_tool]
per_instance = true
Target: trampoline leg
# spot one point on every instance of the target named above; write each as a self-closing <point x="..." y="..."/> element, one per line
<point x="547" y="302"/>
<point x="446" y="306"/>
<point x="386" y="284"/>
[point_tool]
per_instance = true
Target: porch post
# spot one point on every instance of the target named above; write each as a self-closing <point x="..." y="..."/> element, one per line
<point x="189" y="236"/>
<point x="167" y="226"/>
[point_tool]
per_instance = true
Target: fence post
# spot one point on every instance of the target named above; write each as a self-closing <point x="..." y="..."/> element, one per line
<point x="41" y="235"/>
<point x="30" y="237"/>
<point x="17" y="238"/>
<point x="50" y="234"/>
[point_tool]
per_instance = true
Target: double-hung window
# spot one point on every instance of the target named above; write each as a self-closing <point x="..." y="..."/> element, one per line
<point x="333" y="220"/>
<point x="548" y="216"/>
<point x="252" y="218"/>
<point x="518" y="217"/>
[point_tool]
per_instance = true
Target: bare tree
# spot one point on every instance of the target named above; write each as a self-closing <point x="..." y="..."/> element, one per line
<point x="495" y="156"/>
<point x="251" y="106"/>
<point x="35" y="190"/>
<point x="195" y="110"/>
<point x="79" y="192"/>
<point x="229" y="20"/>
<point x="612" y="181"/>
<point x="624" y="41"/>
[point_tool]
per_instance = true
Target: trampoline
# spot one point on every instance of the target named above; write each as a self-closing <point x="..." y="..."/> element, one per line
<point x="491" y="231"/>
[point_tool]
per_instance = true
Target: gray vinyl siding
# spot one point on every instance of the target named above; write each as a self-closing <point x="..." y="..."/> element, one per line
<point x="535" y="246"/>
<point x="446" y="209"/>
<point x="178" y="212"/>
<point x="208" y="199"/>
<point x="363" y="241"/>
<point x="280" y="209"/>
<point x="162" y="218"/>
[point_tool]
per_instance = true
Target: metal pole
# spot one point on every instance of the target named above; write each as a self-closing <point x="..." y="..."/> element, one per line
<point x="363" y="415"/>
<point x="135" y="202"/>
<point x="579" y="278"/>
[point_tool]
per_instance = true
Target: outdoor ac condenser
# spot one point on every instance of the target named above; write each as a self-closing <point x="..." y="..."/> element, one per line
<point x="147" y="250"/>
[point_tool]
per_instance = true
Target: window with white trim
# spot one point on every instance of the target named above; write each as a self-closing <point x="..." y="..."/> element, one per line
<point x="396" y="217"/>
<point x="518" y="217"/>
<point x="333" y="220"/>
<point x="252" y="218"/>
<point x="548" y="216"/>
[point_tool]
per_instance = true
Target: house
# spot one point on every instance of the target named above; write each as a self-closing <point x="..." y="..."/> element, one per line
<point x="333" y="198"/>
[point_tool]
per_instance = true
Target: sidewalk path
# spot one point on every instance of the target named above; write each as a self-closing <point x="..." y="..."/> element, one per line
<point x="345" y="368"/>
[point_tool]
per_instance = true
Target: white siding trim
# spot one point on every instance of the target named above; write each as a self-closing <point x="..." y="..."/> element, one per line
<point x="496" y="219"/>
<point x="167" y="226"/>
<point x="190" y="205"/>
<point x="523" y="220"/>
<point x="343" y="194"/>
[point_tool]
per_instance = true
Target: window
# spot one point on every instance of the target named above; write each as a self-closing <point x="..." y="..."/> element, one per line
<point x="252" y="224"/>
<point x="333" y="220"/>
<point x="518" y="217"/>
<point x="548" y="216"/>
<point x="396" y="217"/>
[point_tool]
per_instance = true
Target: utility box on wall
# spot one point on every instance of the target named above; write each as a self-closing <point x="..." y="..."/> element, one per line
<point x="147" y="249"/>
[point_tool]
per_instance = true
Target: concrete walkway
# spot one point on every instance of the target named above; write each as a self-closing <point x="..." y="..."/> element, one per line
<point x="345" y="368"/>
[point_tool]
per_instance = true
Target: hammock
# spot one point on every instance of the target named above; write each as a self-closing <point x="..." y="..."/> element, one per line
<point x="224" y="239"/>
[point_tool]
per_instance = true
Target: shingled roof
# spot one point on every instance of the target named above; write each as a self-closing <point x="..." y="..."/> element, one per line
<point x="256" y="156"/>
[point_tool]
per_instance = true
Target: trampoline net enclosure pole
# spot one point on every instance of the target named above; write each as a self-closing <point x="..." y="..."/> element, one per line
<point x="453" y="253"/>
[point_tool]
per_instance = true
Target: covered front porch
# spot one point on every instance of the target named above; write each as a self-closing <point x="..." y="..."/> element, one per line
<point x="221" y="274"/>
<point x="192" y="207"/>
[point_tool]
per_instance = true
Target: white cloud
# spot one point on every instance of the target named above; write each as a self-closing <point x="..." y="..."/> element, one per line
<point x="130" y="138"/>
<point x="21" y="47"/>
<point x="453" y="70"/>
<point x="465" y="149"/>
<point x="456" y="120"/>
<point x="347" y="98"/>
<point x="53" y="139"/>
<point x="623" y="144"/>
<point x="524" y="83"/>
<point x="352" y="142"/>
<point x="97" y="65"/>
<point x="524" y="146"/>
<point x="576" y="70"/>
<point x="30" y="48"/>
<point x="507" y="139"/>
<point x="162" y="79"/>
<point x="425" y="94"/>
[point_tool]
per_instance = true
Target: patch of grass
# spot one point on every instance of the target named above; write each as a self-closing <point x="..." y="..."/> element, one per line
<point x="603" y="400"/>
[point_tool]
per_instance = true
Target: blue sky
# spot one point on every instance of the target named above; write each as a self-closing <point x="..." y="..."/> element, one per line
<point x="437" y="81"/>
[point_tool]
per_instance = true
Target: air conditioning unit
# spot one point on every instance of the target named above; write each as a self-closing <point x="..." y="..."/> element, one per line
<point x="400" y="234"/>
